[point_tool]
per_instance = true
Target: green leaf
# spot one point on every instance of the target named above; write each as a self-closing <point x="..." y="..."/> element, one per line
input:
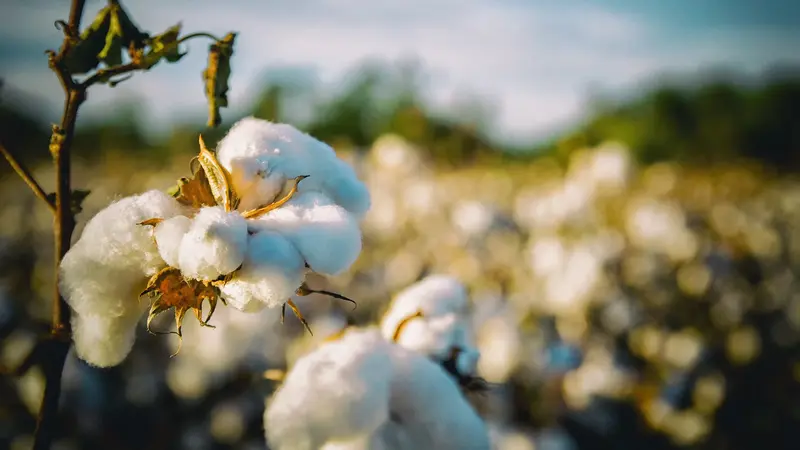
<point x="76" y="200"/>
<point x="216" y="77"/>
<point x="164" y="45"/>
<point x="82" y="54"/>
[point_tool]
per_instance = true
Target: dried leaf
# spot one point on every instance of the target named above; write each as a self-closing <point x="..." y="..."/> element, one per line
<point x="163" y="46"/>
<point x="82" y="54"/>
<point x="297" y="313"/>
<point x="304" y="290"/>
<point x="216" y="77"/>
<point x="151" y="222"/>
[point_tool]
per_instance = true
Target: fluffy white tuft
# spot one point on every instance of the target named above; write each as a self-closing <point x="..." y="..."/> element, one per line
<point x="168" y="235"/>
<point x="214" y="245"/>
<point x="262" y="155"/>
<point x="434" y="295"/>
<point x="113" y="255"/>
<point x="327" y="236"/>
<point x="362" y="392"/>
<point x="338" y="393"/>
<point x="104" y="341"/>
<point x="271" y="273"/>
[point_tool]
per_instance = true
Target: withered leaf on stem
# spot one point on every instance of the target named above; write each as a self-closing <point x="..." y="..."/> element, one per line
<point x="82" y="55"/>
<point x="216" y="76"/>
<point x="195" y="191"/>
<point x="163" y="46"/>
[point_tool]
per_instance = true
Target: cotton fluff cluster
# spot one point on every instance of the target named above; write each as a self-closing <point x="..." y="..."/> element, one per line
<point x="443" y="325"/>
<point x="103" y="273"/>
<point x="364" y="392"/>
<point x="318" y="228"/>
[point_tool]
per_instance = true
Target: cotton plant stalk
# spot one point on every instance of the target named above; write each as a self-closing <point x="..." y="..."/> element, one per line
<point x="231" y="233"/>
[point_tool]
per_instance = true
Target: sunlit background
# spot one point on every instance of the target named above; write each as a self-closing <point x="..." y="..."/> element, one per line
<point x="616" y="182"/>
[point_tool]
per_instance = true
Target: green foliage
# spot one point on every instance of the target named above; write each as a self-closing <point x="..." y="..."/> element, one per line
<point x="716" y="122"/>
<point x="163" y="46"/>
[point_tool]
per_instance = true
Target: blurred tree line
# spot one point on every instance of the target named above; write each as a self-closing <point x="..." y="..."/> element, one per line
<point x="710" y="121"/>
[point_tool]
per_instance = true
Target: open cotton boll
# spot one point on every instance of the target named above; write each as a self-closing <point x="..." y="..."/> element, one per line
<point x="114" y="255"/>
<point x="337" y="393"/>
<point x="271" y="273"/>
<point x="105" y="341"/>
<point x="430" y="411"/>
<point x="434" y="295"/>
<point x="326" y="235"/>
<point x="255" y="148"/>
<point x="214" y="245"/>
<point x="168" y="235"/>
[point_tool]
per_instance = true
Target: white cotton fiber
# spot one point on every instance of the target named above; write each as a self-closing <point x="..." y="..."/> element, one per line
<point x="271" y="273"/>
<point x="435" y="295"/>
<point x="430" y="410"/>
<point x="326" y="235"/>
<point x="168" y="235"/>
<point x="214" y="245"/>
<point x="104" y="341"/>
<point x="338" y="393"/>
<point x="362" y="392"/>
<point x="113" y="255"/>
<point x="430" y="336"/>
<point x="255" y="148"/>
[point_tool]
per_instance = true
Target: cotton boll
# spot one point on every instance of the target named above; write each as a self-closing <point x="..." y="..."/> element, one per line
<point x="271" y="273"/>
<point x="214" y="245"/>
<point x="255" y="148"/>
<point x="104" y="341"/>
<point x="168" y="235"/>
<point x="327" y="236"/>
<point x="336" y="394"/>
<point x="430" y="411"/>
<point x="435" y="295"/>
<point x="106" y="268"/>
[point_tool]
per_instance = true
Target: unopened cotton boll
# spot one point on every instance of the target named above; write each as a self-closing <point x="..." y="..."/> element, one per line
<point x="114" y="256"/>
<point x="326" y="235"/>
<point x="271" y="273"/>
<point x="255" y="148"/>
<point x="168" y="235"/>
<point x="338" y="393"/>
<point x="215" y="244"/>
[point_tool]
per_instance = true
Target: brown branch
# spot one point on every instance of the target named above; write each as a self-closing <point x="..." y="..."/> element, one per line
<point x="26" y="175"/>
<point x="60" y="146"/>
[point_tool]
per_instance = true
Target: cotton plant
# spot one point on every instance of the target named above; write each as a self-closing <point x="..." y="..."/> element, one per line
<point x="362" y="391"/>
<point x="431" y="317"/>
<point x="226" y="234"/>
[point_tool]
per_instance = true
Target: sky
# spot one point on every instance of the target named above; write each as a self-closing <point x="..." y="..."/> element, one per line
<point x="536" y="62"/>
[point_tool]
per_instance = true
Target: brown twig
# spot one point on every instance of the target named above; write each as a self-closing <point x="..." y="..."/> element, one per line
<point x="26" y="175"/>
<point x="64" y="224"/>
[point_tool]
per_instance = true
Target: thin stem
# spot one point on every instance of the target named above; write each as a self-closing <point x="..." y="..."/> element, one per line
<point x="25" y="174"/>
<point x="60" y="146"/>
<point x="198" y="34"/>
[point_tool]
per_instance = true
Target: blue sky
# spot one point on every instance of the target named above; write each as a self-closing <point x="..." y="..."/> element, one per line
<point x="536" y="61"/>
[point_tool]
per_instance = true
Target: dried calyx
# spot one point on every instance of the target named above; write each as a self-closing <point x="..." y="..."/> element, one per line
<point x="209" y="186"/>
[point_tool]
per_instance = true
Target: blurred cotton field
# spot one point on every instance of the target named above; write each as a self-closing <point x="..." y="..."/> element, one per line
<point x="610" y="303"/>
